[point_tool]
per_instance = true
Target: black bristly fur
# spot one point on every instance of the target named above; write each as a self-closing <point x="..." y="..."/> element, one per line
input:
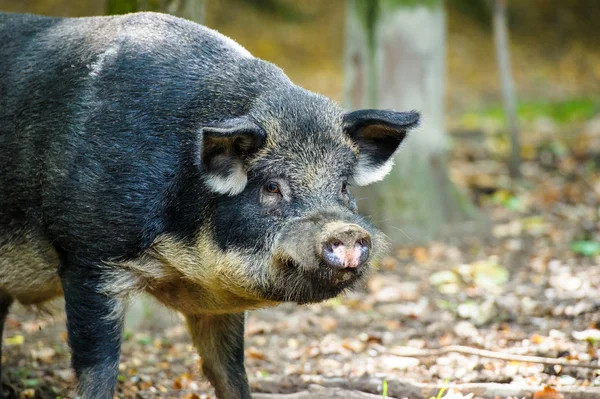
<point x="94" y="326"/>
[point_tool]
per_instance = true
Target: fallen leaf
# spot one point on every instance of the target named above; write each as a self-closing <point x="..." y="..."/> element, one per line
<point x="443" y="277"/>
<point x="456" y="394"/>
<point x="591" y="334"/>
<point x="27" y="393"/>
<point x="182" y="382"/>
<point x="255" y="353"/>
<point x="421" y="255"/>
<point x="537" y="339"/>
<point x="353" y="345"/>
<point x="44" y="355"/>
<point x="16" y="340"/>
<point x="547" y="393"/>
<point x="328" y="323"/>
<point x="489" y="273"/>
<point x="399" y="363"/>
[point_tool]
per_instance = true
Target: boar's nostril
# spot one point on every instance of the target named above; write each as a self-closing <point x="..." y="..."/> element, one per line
<point x="336" y="243"/>
<point x="363" y="243"/>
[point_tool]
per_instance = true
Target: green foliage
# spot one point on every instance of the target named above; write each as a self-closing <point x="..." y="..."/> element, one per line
<point x="586" y="248"/>
<point x="411" y="3"/>
<point x="384" y="389"/>
<point x="507" y="199"/>
<point x="562" y="112"/>
<point x="31" y="383"/>
<point x="126" y="6"/>
<point x="144" y="341"/>
<point x="286" y="10"/>
<point x="121" y="6"/>
<point x="478" y="10"/>
<point x="368" y="12"/>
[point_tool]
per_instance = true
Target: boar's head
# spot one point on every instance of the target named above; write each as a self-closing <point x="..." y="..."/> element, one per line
<point x="281" y="175"/>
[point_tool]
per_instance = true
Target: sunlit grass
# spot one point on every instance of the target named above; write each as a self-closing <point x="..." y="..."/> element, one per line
<point x="561" y="112"/>
<point x="441" y="392"/>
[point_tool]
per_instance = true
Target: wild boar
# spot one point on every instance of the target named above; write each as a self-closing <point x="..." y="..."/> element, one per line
<point x="147" y="153"/>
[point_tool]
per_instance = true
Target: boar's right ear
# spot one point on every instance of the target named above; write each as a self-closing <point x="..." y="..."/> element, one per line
<point x="378" y="135"/>
<point x="224" y="150"/>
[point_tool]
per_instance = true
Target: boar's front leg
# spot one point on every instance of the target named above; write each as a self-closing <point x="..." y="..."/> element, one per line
<point x="219" y="340"/>
<point x="5" y="302"/>
<point x="94" y="326"/>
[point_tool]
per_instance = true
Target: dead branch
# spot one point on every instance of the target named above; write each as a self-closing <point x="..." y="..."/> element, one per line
<point x="318" y="392"/>
<point x="398" y="388"/>
<point x="413" y="352"/>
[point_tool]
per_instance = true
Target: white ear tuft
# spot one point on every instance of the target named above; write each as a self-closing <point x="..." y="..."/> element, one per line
<point x="232" y="184"/>
<point x="367" y="173"/>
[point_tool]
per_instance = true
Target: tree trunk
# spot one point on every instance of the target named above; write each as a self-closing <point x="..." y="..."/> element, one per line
<point x="507" y="83"/>
<point x="395" y="58"/>
<point x="188" y="9"/>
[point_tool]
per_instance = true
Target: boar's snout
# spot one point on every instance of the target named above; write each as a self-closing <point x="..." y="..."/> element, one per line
<point x="345" y="245"/>
<point x="322" y="254"/>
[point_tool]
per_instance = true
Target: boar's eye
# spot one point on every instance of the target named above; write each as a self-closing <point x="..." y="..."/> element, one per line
<point x="272" y="188"/>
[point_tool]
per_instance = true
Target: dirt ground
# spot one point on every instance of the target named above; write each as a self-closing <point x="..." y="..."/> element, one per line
<point x="499" y="315"/>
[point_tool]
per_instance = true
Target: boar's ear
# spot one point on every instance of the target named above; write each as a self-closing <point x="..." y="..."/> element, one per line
<point x="378" y="135"/>
<point x="224" y="150"/>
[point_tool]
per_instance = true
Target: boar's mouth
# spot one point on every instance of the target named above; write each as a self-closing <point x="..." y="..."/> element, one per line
<point x="295" y="283"/>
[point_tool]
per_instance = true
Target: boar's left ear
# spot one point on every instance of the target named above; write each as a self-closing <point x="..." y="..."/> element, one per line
<point x="224" y="150"/>
<point x="378" y="135"/>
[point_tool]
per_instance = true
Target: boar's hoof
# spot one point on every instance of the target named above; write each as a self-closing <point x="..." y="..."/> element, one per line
<point x="346" y="247"/>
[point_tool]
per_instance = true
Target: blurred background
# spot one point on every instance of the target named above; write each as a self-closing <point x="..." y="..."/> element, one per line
<point x="493" y="207"/>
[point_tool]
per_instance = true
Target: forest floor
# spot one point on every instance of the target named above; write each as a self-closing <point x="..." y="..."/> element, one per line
<point x="502" y="315"/>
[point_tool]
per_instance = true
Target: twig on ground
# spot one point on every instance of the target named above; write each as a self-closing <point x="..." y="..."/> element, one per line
<point x="399" y="388"/>
<point x="318" y="392"/>
<point x="413" y="352"/>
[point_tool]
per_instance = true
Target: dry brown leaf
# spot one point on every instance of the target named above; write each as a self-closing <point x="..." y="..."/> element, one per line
<point x="353" y="345"/>
<point x="547" y="393"/>
<point x="44" y="355"/>
<point x="27" y="393"/>
<point x="255" y="353"/>
<point x="182" y="382"/>
<point x="389" y="263"/>
<point x="328" y="323"/>
<point x="421" y="255"/>
<point x="537" y="339"/>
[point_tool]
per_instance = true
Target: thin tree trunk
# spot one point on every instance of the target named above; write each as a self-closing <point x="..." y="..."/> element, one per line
<point x="188" y="9"/>
<point x="507" y="83"/>
<point x="395" y="58"/>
